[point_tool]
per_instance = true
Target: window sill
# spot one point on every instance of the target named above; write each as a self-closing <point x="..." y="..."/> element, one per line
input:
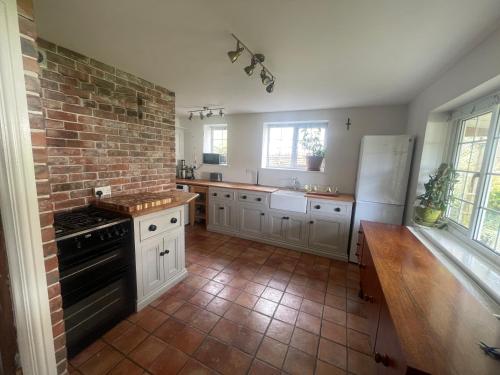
<point x="465" y="262"/>
<point x="292" y="170"/>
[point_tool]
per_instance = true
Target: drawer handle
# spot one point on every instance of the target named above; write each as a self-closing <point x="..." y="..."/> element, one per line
<point x="214" y="194"/>
<point x="382" y="358"/>
<point x="221" y="208"/>
<point x="152" y="228"/>
<point x="285" y="218"/>
<point x="259" y="199"/>
<point x="262" y="214"/>
<point x="317" y="207"/>
<point x="243" y="197"/>
<point x="173" y="220"/>
<point x="228" y="195"/>
<point x="337" y="209"/>
<point x="311" y="222"/>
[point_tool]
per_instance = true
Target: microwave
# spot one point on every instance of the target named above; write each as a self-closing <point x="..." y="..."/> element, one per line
<point x="211" y="158"/>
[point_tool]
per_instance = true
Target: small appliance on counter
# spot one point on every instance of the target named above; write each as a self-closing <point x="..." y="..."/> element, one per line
<point x="212" y="158"/>
<point x="215" y="176"/>
<point x="185" y="172"/>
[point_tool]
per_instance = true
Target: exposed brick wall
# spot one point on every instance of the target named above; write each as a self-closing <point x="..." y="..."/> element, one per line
<point x="40" y="157"/>
<point x="104" y="127"/>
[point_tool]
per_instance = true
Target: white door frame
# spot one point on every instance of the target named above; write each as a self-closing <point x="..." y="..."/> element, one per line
<point x="19" y="205"/>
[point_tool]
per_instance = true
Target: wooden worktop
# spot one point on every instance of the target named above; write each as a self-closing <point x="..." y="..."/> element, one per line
<point x="260" y="188"/>
<point x="439" y="323"/>
<point x="145" y="203"/>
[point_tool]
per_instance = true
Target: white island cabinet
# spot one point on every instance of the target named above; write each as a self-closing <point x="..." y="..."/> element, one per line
<point x="159" y="253"/>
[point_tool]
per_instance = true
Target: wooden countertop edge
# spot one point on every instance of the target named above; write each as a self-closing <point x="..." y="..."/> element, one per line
<point x="345" y="198"/>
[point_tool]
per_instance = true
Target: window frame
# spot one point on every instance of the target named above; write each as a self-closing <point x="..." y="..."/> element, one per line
<point x="208" y="129"/>
<point x="471" y="110"/>
<point x="297" y="125"/>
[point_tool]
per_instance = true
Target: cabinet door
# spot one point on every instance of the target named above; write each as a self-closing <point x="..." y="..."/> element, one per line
<point x="172" y="254"/>
<point x="252" y="219"/>
<point x="275" y="226"/>
<point x="327" y="235"/>
<point x="152" y="264"/>
<point x="296" y="230"/>
<point x="222" y="215"/>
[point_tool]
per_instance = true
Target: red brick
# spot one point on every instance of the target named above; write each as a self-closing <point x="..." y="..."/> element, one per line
<point x="58" y="115"/>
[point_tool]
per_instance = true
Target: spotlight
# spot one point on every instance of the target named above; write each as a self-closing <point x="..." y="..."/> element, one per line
<point x="270" y="87"/>
<point x="266" y="80"/>
<point x="210" y="113"/>
<point x="221" y="114"/>
<point x="201" y="115"/>
<point x="233" y="55"/>
<point x="249" y="69"/>
<point x="191" y="115"/>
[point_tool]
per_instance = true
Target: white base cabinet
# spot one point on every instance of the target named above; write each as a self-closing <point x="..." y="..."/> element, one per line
<point x="322" y="230"/>
<point x="160" y="253"/>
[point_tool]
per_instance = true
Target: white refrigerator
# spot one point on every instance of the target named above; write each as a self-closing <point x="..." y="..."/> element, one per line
<point x="383" y="172"/>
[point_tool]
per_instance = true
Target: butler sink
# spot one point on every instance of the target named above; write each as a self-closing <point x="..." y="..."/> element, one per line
<point x="287" y="200"/>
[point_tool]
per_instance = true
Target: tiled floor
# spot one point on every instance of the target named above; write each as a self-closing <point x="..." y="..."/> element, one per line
<point x="245" y="308"/>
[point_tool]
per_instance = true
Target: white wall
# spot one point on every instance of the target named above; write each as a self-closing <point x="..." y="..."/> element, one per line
<point x="479" y="66"/>
<point x="341" y="162"/>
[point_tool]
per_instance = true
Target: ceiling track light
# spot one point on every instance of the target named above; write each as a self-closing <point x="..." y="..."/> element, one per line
<point x="206" y="112"/>
<point x="266" y="76"/>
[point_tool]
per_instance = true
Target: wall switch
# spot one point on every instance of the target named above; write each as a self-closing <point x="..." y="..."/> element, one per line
<point x="102" y="191"/>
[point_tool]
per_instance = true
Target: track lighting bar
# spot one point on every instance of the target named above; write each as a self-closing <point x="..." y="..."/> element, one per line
<point x="266" y="76"/>
<point x="206" y="112"/>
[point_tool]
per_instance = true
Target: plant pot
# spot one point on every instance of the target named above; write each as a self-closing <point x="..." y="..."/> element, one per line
<point x="427" y="216"/>
<point x="314" y="163"/>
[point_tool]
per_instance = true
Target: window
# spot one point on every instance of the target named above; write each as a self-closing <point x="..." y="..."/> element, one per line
<point x="281" y="146"/>
<point x="215" y="140"/>
<point x="475" y="199"/>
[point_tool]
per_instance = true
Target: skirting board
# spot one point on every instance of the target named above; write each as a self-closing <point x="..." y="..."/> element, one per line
<point x="147" y="300"/>
<point x="277" y="243"/>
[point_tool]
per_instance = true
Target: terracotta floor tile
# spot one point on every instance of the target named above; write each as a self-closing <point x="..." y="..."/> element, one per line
<point x="147" y="351"/>
<point x="255" y="288"/>
<point x="238" y="283"/>
<point x="213" y="287"/>
<point x="358" y="341"/>
<point x="229" y="293"/>
<point x="335" y="315"/>
<point x="334" y="332"/>
<point x="223" y="358"/>
<point x="299" y="363"/>
<point x="353" y="294"/>
<point x="117" y="331"/>
<point x="194" y="367"/>
<point x="201" y="298"/>
<point x="241" y="337"/>
<point x="312" y="308"/>
<point x="335" y="301"/>
<point x="218" y="306"/>
<point x="323" y="368"/>
<point x="246" y="300"/>
<point x="168" y="330"/>
<point x="278" y="284"/>
<point x="261" y="368"/>
<point x="272" y="352"/>
<point x="357" y="308"/>
<point x="337" y="290"/>
<point x="291" y="300"/>
<point x="237" y="314"/>
<point x="297" y="290"/>
<point x="187" y="340"/>
<point x="169" y="362"/>
<point x="186" y="312"/>
<point x="360" y="364"/>
<point x="305" y="341"/>
<point x="262" y="279"/>
<point x="280" y="331"/>
<point x="205" y="320"/>
<point x="151" y="319"/>
<point x="272" y="294"/>
<point x="333" y="353"/>
<point x="286" y="314"/>
<point x="265" y="306"/>
<point x="257" y="321"/>
<point x="315" y="295"/>
<point x="358" y="323"/>
<point x="101" y="362"/>
<point x="170" y="305"/>
<point x="88" y="352"/>
<point x="309" y="323"/>
<point x="130" y="339"/>
<point x="126" y="367"/>
<point x="223" y="278"/>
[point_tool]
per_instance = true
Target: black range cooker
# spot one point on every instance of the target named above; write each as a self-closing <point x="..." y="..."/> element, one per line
<point x="97" y="272"/>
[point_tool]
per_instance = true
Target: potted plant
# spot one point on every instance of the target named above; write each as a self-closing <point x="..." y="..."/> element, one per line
<point x="433" y="202"/>
<point x="312" y="142"/>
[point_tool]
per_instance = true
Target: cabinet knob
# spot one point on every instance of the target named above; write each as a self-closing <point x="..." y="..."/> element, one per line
<point x="262" y="214"/>
<point x="285" y="218"/>
<point x="337" y="209"/>
<point x="228" y="195"/>
<point x="259" y="199"/>
<point x="243" y="197"/>
<point x="152" y="228"/>
<point x="221" y="208"/>
<point x="214" y="194"/>
<point x="173" y="220"/>
<point x="317" y="207"/>
<point x="382" y="358"/>
<point x="162" y="253"/>
<point x="166" y="252"/>
<point x="311" y="222"/>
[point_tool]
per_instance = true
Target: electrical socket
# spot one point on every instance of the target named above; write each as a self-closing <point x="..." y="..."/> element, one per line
<point x="105" y="191"/>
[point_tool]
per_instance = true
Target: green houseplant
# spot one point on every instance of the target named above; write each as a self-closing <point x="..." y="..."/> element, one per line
<point x="312" y="142"/>
<point x="433" y="202"/>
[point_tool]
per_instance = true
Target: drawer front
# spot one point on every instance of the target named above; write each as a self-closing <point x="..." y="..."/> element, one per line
<point x="329" y="208"/>
<point x="252" y="197"/>
<point x="222" y="194"/>
<point x="160" y="223"/>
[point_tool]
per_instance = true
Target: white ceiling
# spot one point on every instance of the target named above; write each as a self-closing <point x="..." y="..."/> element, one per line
<point x="324" y="53"/>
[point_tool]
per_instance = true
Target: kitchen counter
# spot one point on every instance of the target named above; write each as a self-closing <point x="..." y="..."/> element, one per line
<point x="259" y="188"/>
<point x="141" y="204"/>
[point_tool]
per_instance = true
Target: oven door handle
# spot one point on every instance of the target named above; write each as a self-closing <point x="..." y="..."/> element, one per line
<point x="90" y="266"/>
